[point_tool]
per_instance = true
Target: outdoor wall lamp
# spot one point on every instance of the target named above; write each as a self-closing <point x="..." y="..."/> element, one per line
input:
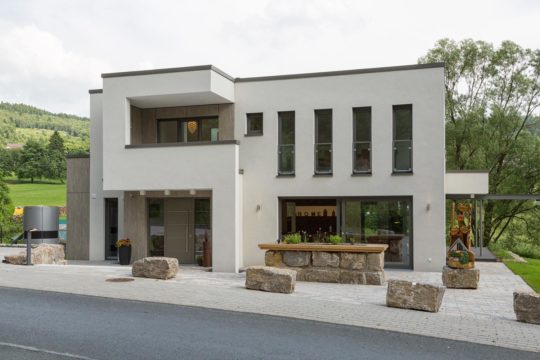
<point x="142" y="192"/>
<point x="428" y="206"/>
<point x="192" y="192"/>
<point x="258" y="208"/>
<point x="167" y="192"/>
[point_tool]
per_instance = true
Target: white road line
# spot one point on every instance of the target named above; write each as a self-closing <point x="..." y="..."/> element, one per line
<point x="31" y="348"/>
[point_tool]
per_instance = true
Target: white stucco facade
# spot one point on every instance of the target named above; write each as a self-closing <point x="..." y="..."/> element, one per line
<point x="241" y="172"/>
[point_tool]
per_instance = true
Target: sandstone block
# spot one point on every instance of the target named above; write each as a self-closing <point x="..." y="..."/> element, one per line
<point x="375" y="261"/>
<point x="408" y="295"/>
<point x="460" y="278"/>
<point x="156" y="267"/>
<point x="352" y="277"/>
<point x="322" y="275"/>
<point x="273" y="258"/>
<point x="353" y="261"/>
<point x="41" y="254"/>
<point x="322" y="258"/>
<point x="297" y="258"/>
<point x="375" y="278"/>
<point x="527" y="307"/>
<point x="271" y="279"/>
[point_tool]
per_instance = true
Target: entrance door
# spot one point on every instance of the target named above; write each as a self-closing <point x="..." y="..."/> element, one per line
<point x="179" y="242"/>
<point x="111" y="227"/>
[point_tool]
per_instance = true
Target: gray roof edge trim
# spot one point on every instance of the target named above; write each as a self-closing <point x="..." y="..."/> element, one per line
<point x="168" y="70"/>
<point x="481" y="171"/>
<point x="95" y="91"/>
<point x="343" y="72"/>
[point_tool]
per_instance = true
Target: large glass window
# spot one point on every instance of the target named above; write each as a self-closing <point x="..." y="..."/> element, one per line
<point x="156" y="224"/>
<point x="323" y="141"/>
<point x="362" y="140"/>
<point x="188" y="130"/>
<point x="380" y="222"/>
<point x="286" y="141"/>
<point x="403" y="138"/>
<point x="203" y="229"/>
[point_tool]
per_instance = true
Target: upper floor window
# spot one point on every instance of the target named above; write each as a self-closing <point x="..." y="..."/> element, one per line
<point x="362" y="140"/>
<point x="188" y="130"/>
<point x="254" y="124"/>
<point x="286" y="143"/>
<point x="402" y="138"/>
<point x="323" y="141"/>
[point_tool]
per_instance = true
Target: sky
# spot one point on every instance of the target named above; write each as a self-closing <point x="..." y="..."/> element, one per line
<point x="53" y="51"/>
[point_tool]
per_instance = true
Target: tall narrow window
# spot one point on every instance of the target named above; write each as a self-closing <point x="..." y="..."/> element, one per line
<point x="362" y="140"/>
<point x="403" y="138"/>
<point x="286" y="143"/>
<point x="323" y="141"/>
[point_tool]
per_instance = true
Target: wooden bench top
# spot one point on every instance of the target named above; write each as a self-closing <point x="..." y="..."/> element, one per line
<point x="357" y="248"/>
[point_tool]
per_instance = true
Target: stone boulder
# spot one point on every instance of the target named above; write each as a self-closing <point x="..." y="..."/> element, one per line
<point x="41" y="254"/>
<point x="460" y="278"/>
<point x="527" y="307"/>
<point x="271" y="279"/>
<point x="408" y="295"/>
<point x="156" y="267"/>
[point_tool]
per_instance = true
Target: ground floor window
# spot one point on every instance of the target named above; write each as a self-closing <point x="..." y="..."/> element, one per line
<point x="156" y="224"/>
<point x="358" y="220"/>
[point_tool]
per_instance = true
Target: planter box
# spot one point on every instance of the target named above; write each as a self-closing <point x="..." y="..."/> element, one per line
<point x="345" y="264"/>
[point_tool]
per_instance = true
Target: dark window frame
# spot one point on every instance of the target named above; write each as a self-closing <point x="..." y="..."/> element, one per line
<point x="394" y="140"/>
<point x="250" y="132"/>
<point x="317" y="143"/>
<point x="280" y="144"/>
<point x="179" y="121"/>
<point x="355" y="141"/>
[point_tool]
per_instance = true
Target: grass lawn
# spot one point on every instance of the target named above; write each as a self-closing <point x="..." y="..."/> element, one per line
<point x="39" y="193"/>
<point x="530" y="271"/>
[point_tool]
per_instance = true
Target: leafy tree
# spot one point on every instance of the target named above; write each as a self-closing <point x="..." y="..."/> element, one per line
<point x="56" y="160"/>
<point x="33" y="161"/>
<point x="492" y="98"/>
<point x="6" y="163"/>
<point x="6" y="212"/>
<point x="56" y="142"/>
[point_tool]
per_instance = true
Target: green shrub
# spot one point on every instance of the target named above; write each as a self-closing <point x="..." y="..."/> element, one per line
<point x="335" y="239"/>
<point x="527" y="250"/>
<point x="292" y="238"/>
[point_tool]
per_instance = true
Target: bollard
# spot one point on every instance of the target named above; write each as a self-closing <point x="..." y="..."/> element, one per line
<point x="29" y="246"/>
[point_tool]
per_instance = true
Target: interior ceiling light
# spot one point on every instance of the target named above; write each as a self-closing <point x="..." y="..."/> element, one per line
<point x="192" y="126"/>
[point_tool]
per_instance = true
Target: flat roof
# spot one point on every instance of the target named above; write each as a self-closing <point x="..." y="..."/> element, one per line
<point x="274" y="77"/>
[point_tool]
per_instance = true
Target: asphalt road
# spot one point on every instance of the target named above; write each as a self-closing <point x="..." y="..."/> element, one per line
<point x="53" y="326"/>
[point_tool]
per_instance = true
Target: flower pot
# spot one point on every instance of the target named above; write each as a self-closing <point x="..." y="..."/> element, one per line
<point x="124" y="255"/>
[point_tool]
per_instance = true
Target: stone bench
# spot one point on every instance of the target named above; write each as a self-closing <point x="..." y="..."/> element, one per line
<point x="527" y="307"/>
<point x="156" y="267"/>
<point x="271" y="279"/>
<point x="460" y="278"/>
<point x="408" y="295"/>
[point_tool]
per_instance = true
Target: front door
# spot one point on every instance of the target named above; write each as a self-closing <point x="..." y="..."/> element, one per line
<point x="179" y="241"/>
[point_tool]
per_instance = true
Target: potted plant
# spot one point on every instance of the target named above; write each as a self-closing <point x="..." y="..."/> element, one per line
<point x="124" y="251"/>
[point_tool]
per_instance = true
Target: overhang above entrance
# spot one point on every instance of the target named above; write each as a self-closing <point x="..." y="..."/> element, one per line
<point x="466" y="182"/>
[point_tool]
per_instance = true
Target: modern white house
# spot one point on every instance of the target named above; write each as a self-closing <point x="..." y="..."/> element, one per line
<point x="185" y="156"/>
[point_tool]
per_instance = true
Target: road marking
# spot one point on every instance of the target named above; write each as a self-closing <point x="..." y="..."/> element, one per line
<point x="31" y="348"/>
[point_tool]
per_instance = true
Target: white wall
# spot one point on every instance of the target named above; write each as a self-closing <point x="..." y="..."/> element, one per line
<point x="467" y="182"/>
<point x="97" y="195"/>
<point x="423" y="88"/>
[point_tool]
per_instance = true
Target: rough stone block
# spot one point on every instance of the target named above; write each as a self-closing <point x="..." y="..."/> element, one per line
<point x="460" y="278"/>
<point x="322" y="275"/>
<point x="41" y="254"/>
<point x="156" y="267"/>
<point x="353" y="261"/>
<point x="375" y="261"/>
<point x="296" y="258"/>
<point x="273" y="258"/>
<point x="375" y="278"/>
<point x="352" y="277"/>
<point x="527" y="307"/>
<point x="322" y="258"/>
<point x="271" y="279"/>
<point x="408" y="295"/>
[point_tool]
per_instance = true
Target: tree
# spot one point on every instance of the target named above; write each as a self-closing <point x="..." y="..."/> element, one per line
<point x="492" y="97"/>
<point x="6" y="211"/>
<point x="32" y="162"/>
<point x="56" y="160"/>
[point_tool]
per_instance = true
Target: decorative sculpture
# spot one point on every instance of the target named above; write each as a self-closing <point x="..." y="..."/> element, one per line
<point x="460" y="254"/>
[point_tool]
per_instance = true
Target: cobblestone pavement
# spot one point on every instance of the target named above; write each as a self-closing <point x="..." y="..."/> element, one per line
<point x="484" y="316"/>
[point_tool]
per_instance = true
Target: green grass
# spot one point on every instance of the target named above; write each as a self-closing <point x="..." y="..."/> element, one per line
<point x="39" y="193"/>
<point x="529" y="271"/>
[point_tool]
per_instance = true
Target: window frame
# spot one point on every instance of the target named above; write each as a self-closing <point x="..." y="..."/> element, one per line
<point x="316" y="144"/>
<point x="250" y="132"/>
<point x="355" y="141"/>
<point x="280" y="144"/>
<point x="394" y="140"/>
<point x="179" y="122"/>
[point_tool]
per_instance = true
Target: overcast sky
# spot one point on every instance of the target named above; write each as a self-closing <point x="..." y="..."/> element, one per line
<point x="53" y="51"/>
